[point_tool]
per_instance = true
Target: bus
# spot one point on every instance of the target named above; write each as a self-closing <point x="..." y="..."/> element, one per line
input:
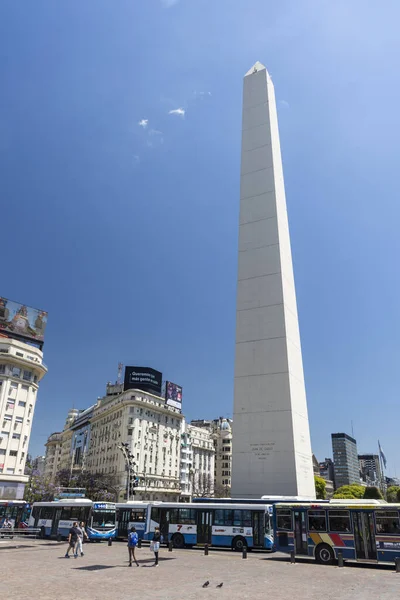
<point x="235" y="526"/>
<point x="17" y="511"/>
<point x="362" y="530"/>
<point x="262" y="500"/>
<point x="131" y="514"/>
<point x="56" y="518"/>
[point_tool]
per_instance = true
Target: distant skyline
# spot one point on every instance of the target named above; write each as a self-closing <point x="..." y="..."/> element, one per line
<point x="119" y="175"/>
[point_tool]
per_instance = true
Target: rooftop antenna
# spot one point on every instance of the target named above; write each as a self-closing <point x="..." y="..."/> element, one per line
<point x="352" y="430"/>
<point x="120" y="367"/>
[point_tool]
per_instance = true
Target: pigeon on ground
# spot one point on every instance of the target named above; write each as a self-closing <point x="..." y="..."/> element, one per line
<point x="220" y="584"/>
<point x="206" y="584"/>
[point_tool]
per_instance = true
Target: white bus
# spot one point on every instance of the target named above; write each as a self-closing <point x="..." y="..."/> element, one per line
<point x="56" y="518"/>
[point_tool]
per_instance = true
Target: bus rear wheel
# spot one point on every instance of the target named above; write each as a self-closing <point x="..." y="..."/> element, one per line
<point x="238" y="544"/>
<point x="324" y="554"/>
<point x="178" y="540"/>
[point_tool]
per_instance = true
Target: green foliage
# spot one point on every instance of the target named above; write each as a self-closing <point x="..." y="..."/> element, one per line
<point x="349" y="491"/>
<point x="393" y="493"/>
<point x="373" y="493"/>
<point x="320" y="487"/>
<point x="40" y="489"/>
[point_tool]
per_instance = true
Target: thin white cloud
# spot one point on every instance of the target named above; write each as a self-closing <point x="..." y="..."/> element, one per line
<point x="136" y="159"/>
<point x="177" y="111"/>
<point x="143" y="123"/>
<point x="201" y="94"/>
<point x="169" y="3"/>
<point x="284" y="103"/>
<point x="155" y="132"/>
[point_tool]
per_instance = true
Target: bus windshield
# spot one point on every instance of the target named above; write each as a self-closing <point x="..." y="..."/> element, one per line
<point x="104" y="517"/>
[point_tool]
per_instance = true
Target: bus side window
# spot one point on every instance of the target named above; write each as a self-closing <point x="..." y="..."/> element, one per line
<point x="35" y="512"/>
<point x="173" y="515"/>
<point x="155" y="515"/>
<point x="284" y="519"/>
<point x="65" y="514"/>
<point x="339" y="521"/>
<point x="316" y="520"/>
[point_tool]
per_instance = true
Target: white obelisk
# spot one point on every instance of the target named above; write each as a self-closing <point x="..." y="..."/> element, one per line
<point x="271" y="437"/>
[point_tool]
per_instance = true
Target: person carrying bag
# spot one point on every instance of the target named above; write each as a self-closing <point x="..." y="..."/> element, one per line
<point x="155" y="544"/>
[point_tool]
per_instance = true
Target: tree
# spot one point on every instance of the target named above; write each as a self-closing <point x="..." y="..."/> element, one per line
<point x="393" y="493"/>
<point x="349" y="491"/>
<point x="202" y="486"/>
<point x="222" y="491"/>
<point x="320" y="487"/>
<point x="40" y="489"/>
<point x="63" y="478"/>
<point x="373" y="493"/>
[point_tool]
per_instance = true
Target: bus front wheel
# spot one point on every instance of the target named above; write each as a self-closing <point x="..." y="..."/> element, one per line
<point x="324" y="555"/>
<point x="178" y="540"/>
<point x="238" y="544"/>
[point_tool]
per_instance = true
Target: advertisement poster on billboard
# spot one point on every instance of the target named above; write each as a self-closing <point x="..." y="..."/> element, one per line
<point x="173" y="395"/>
<point x="143" y="378"/>
<point x="21" y="320"/>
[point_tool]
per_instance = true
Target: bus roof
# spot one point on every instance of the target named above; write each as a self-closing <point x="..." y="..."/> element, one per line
<point x="66" y="502"/>
<point x="341" y="503"/>
<point x="211" y="505"/>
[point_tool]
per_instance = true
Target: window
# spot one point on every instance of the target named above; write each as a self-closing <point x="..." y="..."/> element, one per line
<point x="19" y="354"/>
<point x="27" y="375"/>
<point x="223" y="517"/>
<point x="387" y="521"/>
<point x="2" y="368"/>
<point x="284" y="519"/>
<point x="46" y="512"/>
<point x="18" y="419"/>
<point x="13" y="453"/>
<point x="15" y="371"/>
<point x="187" y="516"/>
<point x="23" y="404"/>
<point x="16" y="436"/>
<point x="25" y="388"/>
<point x="137" y="516"/>
<point x="316" y="520"/>
<point x="339" y="520"/>
<point x="13" y="386"/>
<point x="11" y="471"/>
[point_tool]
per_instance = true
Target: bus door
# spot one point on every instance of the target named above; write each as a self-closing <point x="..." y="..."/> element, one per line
<point x="204" y="526"/>
<point x="56" y="520"/>
<point x="123" y="521"/>
<point x="258" y="527"/>
<point x="300" y="532"/>
<point x="364" y="535"/>
<point x="164" y="523"/>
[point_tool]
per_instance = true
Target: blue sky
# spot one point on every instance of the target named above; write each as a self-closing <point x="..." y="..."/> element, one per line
<point x="127" y="234"/>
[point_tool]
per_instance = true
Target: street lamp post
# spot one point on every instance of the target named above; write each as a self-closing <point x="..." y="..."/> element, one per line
<point x="130" y="465"/>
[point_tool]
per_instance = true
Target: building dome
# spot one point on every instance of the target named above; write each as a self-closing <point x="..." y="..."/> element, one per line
<point x="225" y="426"/>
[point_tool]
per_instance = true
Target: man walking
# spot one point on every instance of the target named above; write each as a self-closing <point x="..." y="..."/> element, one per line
<point x="82" y="534"/>
<point x="72" y="539"/>
<point x="155" y="544"/>
<point x="132" y="543"/>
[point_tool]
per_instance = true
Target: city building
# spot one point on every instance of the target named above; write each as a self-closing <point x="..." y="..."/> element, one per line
<point x="80" y="443"/>
<point x="152" y="430"/>
<point x="327" y="471"/>
<point x="221" y="432"/>
<point x="345" y="459"/>
<point x="59" y="448"/>
<point x="197" y="462"/>
<point x="53" y="455"/>
<point x="21" y="369"/>
<point x="370" y="469"/>
<point x="271" y="443"/>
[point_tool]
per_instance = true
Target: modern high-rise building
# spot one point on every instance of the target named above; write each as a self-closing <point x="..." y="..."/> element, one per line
<point x="370" y="469"/>
<point x="345" y="459"/>
<point x="271" y="437"/>
<point x="21" y="369"/>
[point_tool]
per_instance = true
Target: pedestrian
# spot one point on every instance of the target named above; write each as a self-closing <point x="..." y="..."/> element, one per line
<point x="156" y="544"/>
<point x="73" y="539"/>
<point x="132" y="543"/>
<point x="81" y="535"/>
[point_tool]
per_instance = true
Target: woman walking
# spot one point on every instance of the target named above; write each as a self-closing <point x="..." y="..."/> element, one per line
<point x="132" y="543"/>
<point x="156" y="544"/>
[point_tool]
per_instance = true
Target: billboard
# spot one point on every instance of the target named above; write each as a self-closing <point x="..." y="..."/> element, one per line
<point x="143" y="378"/>
<point x="20" y="320"/>
<point x="173" y="395"/>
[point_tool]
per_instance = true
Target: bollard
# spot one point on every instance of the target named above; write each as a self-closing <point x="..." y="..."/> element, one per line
<point x="397" y="563"/>
<point x="206" y="550"/>
<point x="139" y="544"/>
<point x="170" y="545"/>
<point x="109" y="541"/>
<point x="244" y="552"/>
<point x="292" y="557"/>
<point x="340" y="558"/>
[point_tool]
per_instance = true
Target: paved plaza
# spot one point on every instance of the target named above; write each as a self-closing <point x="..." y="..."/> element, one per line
<point x="38" y="569"/>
